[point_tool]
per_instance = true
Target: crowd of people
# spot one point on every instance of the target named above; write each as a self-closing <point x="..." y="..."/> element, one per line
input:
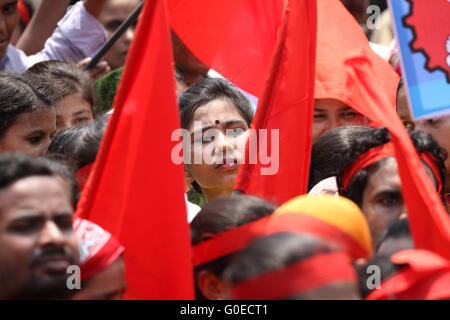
<point x="54" y="113"/>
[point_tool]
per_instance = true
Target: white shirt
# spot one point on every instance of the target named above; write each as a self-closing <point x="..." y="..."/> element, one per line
<point x="77" y="36"/>
<point x="192" y="209"/>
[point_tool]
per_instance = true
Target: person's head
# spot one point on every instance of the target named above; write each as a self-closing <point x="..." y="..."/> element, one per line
<point x="332" y="113"/>
<point x="102" y="263"/>
<point x="73" y="88"/>
<point x="328" y="150"/>
<point x="336" y="220"/>
<point x="439" y="129"/>
<point x="376" y="188"/>
<point x="36" y="233"/>
<point x="217" y="116"/>
<point x="215" y="218"/>
<point x="114" y="13"/>
<point x="294" y="267"/>
<point x="27" y="115"/>
<point x="402" y="106"/>
<point x="9" y="17"/>
<point x="396" y="238"/>
<point x="358" y="9"/>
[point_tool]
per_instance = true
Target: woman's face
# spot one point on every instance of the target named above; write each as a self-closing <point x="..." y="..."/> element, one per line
<point x="73" y="111"/>
<point x="30" y="133"/>
<point x="113" y="15"/>
<point x="331" y="113"/>
<point x="218" y="136"/>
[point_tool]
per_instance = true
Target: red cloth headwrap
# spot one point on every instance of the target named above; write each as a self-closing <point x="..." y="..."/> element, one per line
<point x="426" y="277"/>
<point x="381" y="152"/>
<point x="82" y="175"/>
<point x="297" y="278"/>
<point x="98" y="249"/>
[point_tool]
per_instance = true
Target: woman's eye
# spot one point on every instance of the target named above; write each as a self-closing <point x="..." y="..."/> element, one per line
<point x="234" y="132"/>
<point x="319" y="117"/>
<point x="80" y="120"/>
<point x="34" y="140"/>
<point x="349" y="114"/>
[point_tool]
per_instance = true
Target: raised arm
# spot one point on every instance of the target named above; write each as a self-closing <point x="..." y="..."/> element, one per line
<point x="42" y="25"/>
<point x="94" y="7"/>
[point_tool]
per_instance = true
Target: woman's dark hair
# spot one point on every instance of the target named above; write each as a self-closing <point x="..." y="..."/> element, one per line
<point x="15" y="166"/>
<point x="78" y="146"/>
<point x="422" y="141"/>
<point x="207" y="90"/>
<point x="20" y="94"/>
<point x="273" y="253"/>
<point x="65" y="78"/>
<point x="328" y="151"/>
<point x="220" y="215"/>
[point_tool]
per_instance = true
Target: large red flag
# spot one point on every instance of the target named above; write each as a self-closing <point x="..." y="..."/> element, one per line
<point x="234" y="37"/>
<point x="135" y="190"/>
<point x="286" y="106"/>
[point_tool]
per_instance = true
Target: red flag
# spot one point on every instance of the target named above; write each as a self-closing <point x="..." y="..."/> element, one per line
<point x="235" y="38"/>
<point x="286" y="105"/>
<point x="136" y="192"/>
<point x="428" y="219"/>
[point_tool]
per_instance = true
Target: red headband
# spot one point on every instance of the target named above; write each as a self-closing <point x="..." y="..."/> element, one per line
<point x="426" y="277"/>
<point x="82" y="175"/>
<point x="98" y="248"/>
<point x="228" y="242"/>
<point x="296" y="278"/>
<point x="24" y="13"/>
<point x="302" y="223"/>
<point x="381" y="152"/>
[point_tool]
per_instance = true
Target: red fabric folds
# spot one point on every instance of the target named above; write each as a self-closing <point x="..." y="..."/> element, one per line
<point x="135" y="191"/>
<point x="235" y="38"/>
<point x="286" y="106"/>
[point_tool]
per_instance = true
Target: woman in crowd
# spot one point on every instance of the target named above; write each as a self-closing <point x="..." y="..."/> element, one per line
<point x="73" y="87"/>
<point x="217" y="117"/>
<point x="27" y="115"/>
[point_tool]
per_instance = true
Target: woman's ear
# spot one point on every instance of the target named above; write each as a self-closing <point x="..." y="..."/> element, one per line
<point x="211" y="286"/>
<point x="188" y="179"/>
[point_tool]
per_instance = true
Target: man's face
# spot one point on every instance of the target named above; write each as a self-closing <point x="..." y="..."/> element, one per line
<point x="439" y="129"/>
<point x="37" y="239"/>
<point x="331" y="113"/>
<point x="31" y="133"/>
<point x="9" y="17"/>
<point x="382" y="202"/>
<point x="113" y="15"/>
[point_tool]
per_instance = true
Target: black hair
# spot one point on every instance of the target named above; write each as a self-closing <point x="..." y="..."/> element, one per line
<point x="65" y="79"/>
<point x="273" y="253"/>
<point x="207" y="90"/>
<point x="20" y="94"/>
<point x="78" y="146"/>
<point x="328" y="151"/>
<point x="386" y="267"/>
<point x="376" y="137"/>
<point x="15" y="166"/>
<point x="220" y="215"/>
<point x="399" y="229"/>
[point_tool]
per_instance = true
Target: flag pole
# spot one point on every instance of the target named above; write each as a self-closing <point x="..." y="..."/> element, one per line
<point x="119" y="32"/>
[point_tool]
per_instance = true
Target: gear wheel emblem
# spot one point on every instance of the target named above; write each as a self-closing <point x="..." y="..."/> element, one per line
<point x="430" y="24"/>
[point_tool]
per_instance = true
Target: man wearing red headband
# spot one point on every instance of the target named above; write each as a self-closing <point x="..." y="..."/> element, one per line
<point x="370" y="178"/>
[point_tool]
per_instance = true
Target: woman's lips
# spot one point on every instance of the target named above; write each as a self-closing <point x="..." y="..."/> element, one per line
<point x="227" y="166"/>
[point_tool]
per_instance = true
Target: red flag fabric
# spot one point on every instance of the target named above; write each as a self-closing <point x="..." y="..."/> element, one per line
<point x="286" y="107"/>
<point x="235" y="38"/>
<point x="135" y="191"/>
